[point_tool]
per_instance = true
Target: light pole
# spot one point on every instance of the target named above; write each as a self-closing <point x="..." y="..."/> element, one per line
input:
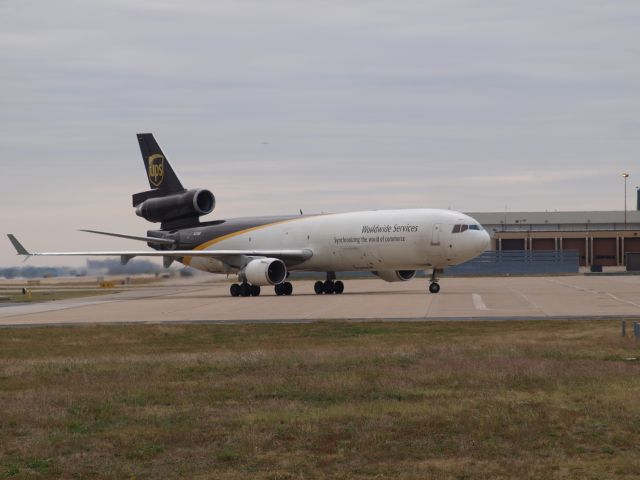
<point x="625" y="175"/>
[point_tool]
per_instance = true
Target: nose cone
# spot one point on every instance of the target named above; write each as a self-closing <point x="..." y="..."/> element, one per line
<point x="482" y="241"/>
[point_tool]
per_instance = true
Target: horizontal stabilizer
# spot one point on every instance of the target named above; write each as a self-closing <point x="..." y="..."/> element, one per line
<point x="138" y="198"/>
<point x="158" y="241"/>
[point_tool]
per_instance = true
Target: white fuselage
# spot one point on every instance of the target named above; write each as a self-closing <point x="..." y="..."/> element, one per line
<point x="412" y="239"/>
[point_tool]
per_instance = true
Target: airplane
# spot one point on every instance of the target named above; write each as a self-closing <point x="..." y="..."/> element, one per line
<point x="262" y="251"/>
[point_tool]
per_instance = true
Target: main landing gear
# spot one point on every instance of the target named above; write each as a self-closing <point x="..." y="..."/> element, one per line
<point x="329" y="286"/>
<point x="284" y="288"/>
<point x="244" y="290"/>
<point x="434" y="286"/>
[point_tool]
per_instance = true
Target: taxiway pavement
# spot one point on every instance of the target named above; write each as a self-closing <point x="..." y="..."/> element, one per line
<point x="461" y="298"/>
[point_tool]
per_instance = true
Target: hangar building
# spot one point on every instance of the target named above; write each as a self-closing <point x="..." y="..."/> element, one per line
<point x="601" y="237"/>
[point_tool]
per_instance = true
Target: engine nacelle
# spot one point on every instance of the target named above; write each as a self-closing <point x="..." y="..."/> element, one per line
<point x="265" y="271"/>
<point x="189" y="204"/>
<point x="396" y="275"/>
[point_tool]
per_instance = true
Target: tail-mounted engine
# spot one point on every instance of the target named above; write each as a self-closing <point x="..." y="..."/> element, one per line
<point x="168" y="201"/>
<point x="396" y="275"/>
<point x="176" y="210"/>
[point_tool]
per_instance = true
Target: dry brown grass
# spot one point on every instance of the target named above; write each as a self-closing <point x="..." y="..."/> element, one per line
<point x="326" y="400"/>
<point x="48" y="296"/>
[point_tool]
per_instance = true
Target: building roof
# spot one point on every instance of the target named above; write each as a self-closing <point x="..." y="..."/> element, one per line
<point x="597" y="216"/>
<point x="609" y="220"/>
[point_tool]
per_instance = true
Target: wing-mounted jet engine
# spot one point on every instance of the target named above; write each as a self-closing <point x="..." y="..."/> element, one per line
<point x="168" y="202"/>
<point x="395" y="275"/>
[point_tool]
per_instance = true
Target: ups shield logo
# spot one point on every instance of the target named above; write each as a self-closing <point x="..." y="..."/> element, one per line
<point x="155" y="170"/>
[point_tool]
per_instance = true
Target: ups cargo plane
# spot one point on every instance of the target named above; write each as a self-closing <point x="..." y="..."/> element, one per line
<point x="392" y="244"/>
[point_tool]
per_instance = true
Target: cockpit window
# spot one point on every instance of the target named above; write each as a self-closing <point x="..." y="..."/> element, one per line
<point x="462" y="228"/>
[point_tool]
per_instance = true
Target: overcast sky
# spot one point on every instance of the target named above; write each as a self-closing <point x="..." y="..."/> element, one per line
<point x="315" y="105"/>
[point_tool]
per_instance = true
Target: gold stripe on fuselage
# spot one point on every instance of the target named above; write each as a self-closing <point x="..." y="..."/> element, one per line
<point x="207" y="244"/>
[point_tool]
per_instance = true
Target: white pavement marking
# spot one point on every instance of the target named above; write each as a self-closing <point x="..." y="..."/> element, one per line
<point x="575" y="287"/>
<point x="623" y="300"/>
<point x="478" y="302"/>
<point x="529" y="301"/>
<point x="597" y="292"/>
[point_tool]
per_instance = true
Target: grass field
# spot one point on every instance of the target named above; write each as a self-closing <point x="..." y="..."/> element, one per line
<point x="63" y="289"/>
<point x="48" y="296"/>
<point x="463" y="400"/>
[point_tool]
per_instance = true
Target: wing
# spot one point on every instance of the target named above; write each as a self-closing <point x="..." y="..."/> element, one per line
<point x="234" y="258"/>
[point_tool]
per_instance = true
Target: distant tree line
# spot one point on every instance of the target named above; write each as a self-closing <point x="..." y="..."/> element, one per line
<point x="37" y="272"/>
<point x="94" y="267"/>
<point x="112" y="266"/>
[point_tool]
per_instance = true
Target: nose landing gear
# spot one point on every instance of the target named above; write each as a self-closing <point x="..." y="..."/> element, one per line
<point x="434" y="286"/>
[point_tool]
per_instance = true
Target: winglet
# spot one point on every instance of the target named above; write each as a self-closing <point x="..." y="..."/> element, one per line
<point x="18" y="246"/>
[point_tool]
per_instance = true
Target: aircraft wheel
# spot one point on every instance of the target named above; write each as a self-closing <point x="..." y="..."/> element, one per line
<point x="234" y="289"/>
<point x="287" y="288"/>
<point x="434" y="287"/>
<point x="328" y="287"/>
<point x="318" y="287"/>
<point x="255" y="290"/>
<point x="279" y="289"/>
<point x="245" y="290"/>
<point x="339" y="287"/>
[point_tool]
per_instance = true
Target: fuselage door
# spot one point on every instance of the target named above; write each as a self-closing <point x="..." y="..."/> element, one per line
<point x="435" y="234"/>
